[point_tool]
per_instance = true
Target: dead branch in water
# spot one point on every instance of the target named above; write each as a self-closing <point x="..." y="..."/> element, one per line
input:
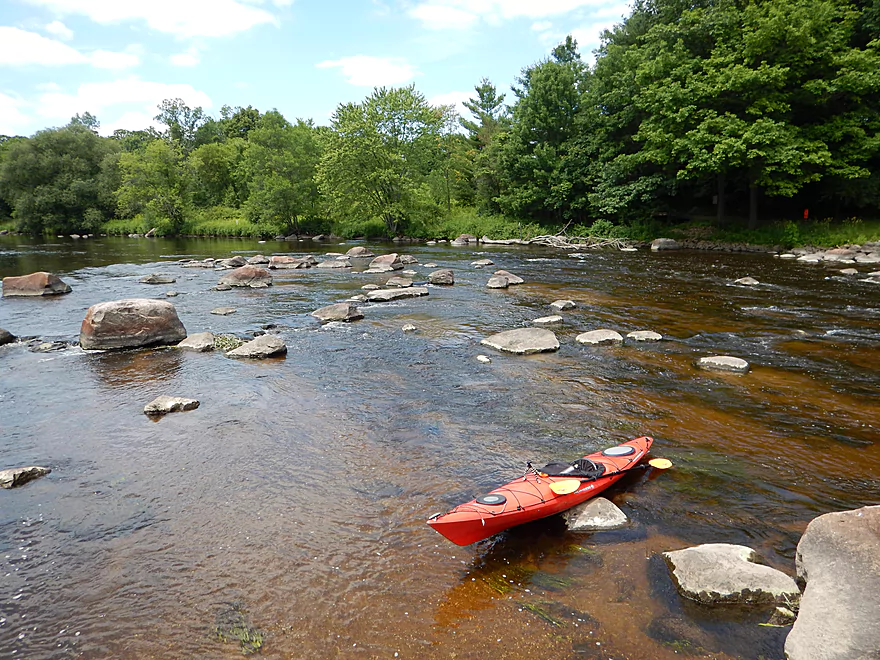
<point x="579" y="242"/>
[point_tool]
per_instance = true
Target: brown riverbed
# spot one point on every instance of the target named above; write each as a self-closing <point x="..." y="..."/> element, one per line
<point x="296" y="494"/>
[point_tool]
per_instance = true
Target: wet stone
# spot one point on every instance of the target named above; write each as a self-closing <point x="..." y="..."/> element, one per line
<point x="6" y="337"/>
<point x="443" y="277"/>
<point x="497" y="282"/>
<point x="598" y="337"/>
<point x="264" y="346"/>
<point x="338" y="312"/>
<point x="747" y="281"/>
<point x="224" y="311"/>
<point x="562" y="305"/>
<point x="512" y="279"/>
<point x="595" y="514"/>
<point x="162" y="405"/>
<point x="644" y="335"/>
<point x="724" y="363"/>
<point x="156" y="278"/>
<point x="544" y="321"/>
<point x="16" y="477"/>
<point x="199" y="342"/>
<point x="523" y="341"/>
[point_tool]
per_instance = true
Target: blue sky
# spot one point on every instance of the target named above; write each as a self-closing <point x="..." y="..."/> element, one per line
<point x="119" y="58"/>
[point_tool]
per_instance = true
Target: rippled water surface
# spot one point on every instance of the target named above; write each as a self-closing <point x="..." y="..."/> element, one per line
<point x="294" y="499"/>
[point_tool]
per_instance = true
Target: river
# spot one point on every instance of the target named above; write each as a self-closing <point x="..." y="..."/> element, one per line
<point x="293" y="500"/>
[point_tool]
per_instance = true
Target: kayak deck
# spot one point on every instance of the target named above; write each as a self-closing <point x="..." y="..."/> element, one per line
<point x="532" y="497"/>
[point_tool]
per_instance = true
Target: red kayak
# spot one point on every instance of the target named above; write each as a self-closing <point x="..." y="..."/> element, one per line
<point x="540" y="493"/>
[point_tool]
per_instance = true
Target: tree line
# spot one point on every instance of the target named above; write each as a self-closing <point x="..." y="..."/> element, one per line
<point x="733" y="110"/>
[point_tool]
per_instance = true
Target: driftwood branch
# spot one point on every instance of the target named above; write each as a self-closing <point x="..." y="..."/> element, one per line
<point x="579" y="242"/>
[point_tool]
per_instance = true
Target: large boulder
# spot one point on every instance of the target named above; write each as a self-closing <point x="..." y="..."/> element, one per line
<point x="386" y="263"/>
<point x="839" y="558"/>
<point x="130" y="323"/>
<point x="523" y="341"/>
<point x="263" y="346"/>
<point x="664" y="244"/>
<point x="35" y="284"/>
<point x="722" y="573"/>
<point x="444" y="277"/>
<point x="20" y="476"/>
<point x="252" y="276"/>
<point x="339" y="312"/>
<point x="384" y="295"/>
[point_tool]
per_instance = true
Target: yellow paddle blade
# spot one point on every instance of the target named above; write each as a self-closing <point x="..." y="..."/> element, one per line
<point x="565" y="487"/>
<point x="660" y="463"/>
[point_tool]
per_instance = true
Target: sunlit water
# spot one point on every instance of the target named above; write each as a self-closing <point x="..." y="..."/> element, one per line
<point x="298" y="491"/>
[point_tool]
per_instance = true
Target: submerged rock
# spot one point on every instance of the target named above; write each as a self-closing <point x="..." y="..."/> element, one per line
<point x="724" y="363"/>
<point x="523" y="341"/>
<point x="563" y="304"/>
<point x="246" y="276"/>
<point x="598" y="337"/>
<point x="157" y="278"/>
<point x="200" y="342"/>
<point x="597" y="513"/>
<point x="839" y="558"/>
<point x="722" y="573"/>
<point x="130" y="323"/>
<point x="263" y="346"/>
<point x="35" y="284"/>
<point x="443" y="277"/>
<point x="163" y="405"/>
<point x="339" y="312"/>
<point x="19" y="476"/>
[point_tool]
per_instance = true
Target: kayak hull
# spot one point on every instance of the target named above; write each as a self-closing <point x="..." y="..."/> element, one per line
<point x="531" y="497"/>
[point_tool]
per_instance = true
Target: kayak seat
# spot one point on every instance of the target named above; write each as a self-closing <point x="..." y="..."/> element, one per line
<point x="582" y="468"/>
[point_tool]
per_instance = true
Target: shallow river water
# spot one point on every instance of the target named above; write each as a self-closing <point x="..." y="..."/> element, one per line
<point x="293" y="500"/>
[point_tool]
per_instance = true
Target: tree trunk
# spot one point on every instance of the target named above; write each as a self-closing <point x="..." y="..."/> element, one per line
<point x="722" y="184"/>
<point x="753" y="205"/>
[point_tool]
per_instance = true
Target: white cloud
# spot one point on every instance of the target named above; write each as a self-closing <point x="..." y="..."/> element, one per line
<point x="60" y="30"/>
<point x="133" y="120"/>
<point x="190" y="57"/>
<point x="105" y="59"/>
<point x="541" y="26"/>
<point x="443" y="17"/>
<point x="19" y="47"/>
<point x="13" y="121"/>
<point x="48" y="87"/>
<point x="368" y="71"/>
<point x="439" y="14"/>
<point x="133" y="98"/>
<point x="183" y="18"/>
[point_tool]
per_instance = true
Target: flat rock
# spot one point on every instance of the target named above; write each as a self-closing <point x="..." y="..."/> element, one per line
<point x="597" y="513"/>
<point x="644" y="335"/>
<point x="664" y="244"/>
<point x="409" y="327"/>
<point x="399" y="282"/>
<point x="370" y="287"/>
<point x="555" y="319"/>
<point x="810" y="258"/>
<point x="35" y="284"/>
<point x="872" y="258"/>
<point x="849" y="271"/>
<point x="788" y="255"/>
<point x="130" y="323"/>
<point x="171" y="294"/>
<point x="408" y="259"/>
<point x="334" y="263"/>
<point x="512" y="279"/>
<point x="482" y="263"/>
<point x="157" y="278"/>
<point x="339" y="312"/>
<point x="163" y="405"/>
<point x="246" y="276"/>
<point x="384" y="295"/>
<point x="485" y="359"/>
<point x="223" y="311"/>
<point x="285" y="262"/>
<point x="724" y="363"/>
<point x="523" y="341"/>
<point x="839" y="558"/>
<point x="359" y="252"/>
<point x="222" y="287"/>
<point x="19" y="476"/>
<point x="497" y="282"/>
<point x="199" y="342"/>
<point x="722" y="573"/>
<point x="747" y="281"/>
<point x="443" y="277"/>
<point x="263" y="346"/>
<point x="258" y="260"/>
<point x="597" y="337"/>
<point x="6" y="337"/>
<point x="562" y="305"/>
<point x="233" y="262"/>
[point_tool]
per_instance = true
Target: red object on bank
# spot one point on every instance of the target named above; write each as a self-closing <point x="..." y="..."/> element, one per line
<point x="806" y="214"/>
<point x="530" y="497"/>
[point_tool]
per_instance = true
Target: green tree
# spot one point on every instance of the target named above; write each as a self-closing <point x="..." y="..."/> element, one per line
<point x="378" y="157"/>
<point x="51" y="179"/>
<point x="215" y="170"/>
<point x="156" y="183"/>
<point x="279" y="166"/>
<point x="182" y="123"/>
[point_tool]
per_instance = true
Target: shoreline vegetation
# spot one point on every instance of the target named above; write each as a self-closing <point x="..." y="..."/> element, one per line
<point x="748" y="124"/>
